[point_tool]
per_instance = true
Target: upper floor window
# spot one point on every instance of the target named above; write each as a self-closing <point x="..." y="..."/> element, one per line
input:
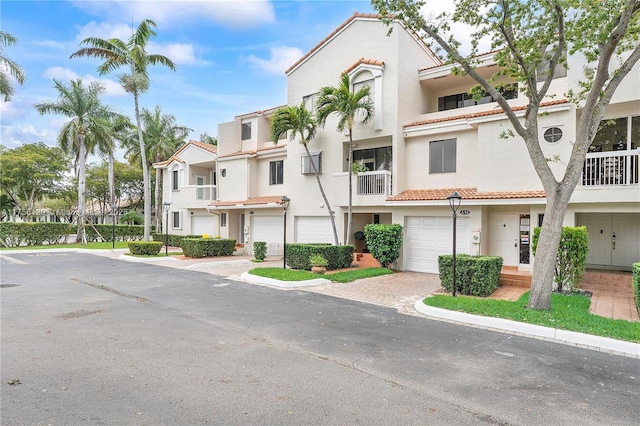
<point x="461" y="100"/>
<point x="617" y="134"/>
<point x="276" y="172"/>
<point x="316" y="159"/>
<point x="309" y="102"/>
<point x="374" y="158"/>
<point x="366" y="83"/>
<point x="174" y="180"/>
<point x="543" y="69"/>
<point x="175" y="220"/>
<point x="553" y="134"/>
<point x="442" y="156"/>
<point x="246" y="130"/>
<point x="223" y="219"/>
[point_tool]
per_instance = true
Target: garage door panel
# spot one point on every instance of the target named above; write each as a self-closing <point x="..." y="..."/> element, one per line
<point x="428" y="237"/>
<point x="313" y="229"/>
<point x="270" y="230"/>
<point x="201" y="225"/>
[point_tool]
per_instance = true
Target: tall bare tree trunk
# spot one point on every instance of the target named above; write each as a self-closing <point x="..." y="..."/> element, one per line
<point x="82" y="160"/>
<point x="145" y="172"/>
<point x="112" y="187"/>
<point x="324" y="196"/>
<point x="157" y="195"/>
<point x="349" y="211"/>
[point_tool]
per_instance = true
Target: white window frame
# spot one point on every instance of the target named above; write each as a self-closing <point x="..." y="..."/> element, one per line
<point x="176" y="216"/>
<point x="175" y="180"/>
<point x="305" y="163"/>
<point x="223" y="219"/>
<point x="273" y="180"/>
<point x="442" y="157"/>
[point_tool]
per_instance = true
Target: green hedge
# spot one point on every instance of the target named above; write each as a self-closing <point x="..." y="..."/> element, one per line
<point x="572" y="255"/>
<point x="338" y="257"/>
<point x="475" y="275"/>
<point x="260" y="250"/>
<point x="207" y="247"/>
<point x="123" y="232"/>
<point x="34" y="233"/>
<point x="636" y="285"/>
<point x="384" y="242"/>
<point x="174" y="239"/>
<point x="143" y="248"/>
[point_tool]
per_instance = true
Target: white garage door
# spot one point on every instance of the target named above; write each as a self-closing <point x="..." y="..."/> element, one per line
<point x="314" y="229"/>
<point x="201" y="225"/>
<point x="270" y="230"/>
<point x="429" y="237"/>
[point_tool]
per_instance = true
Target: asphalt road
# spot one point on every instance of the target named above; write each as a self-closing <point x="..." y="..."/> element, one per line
<point x="93" y="340"/>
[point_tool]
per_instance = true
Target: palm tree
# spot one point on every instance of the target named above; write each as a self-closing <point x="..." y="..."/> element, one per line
<point x="8" y="67"/>
<point x="162" y="137"/>
<point x="299" y="121"/>
<point x="89" y="121"/>
<point x="132" y="54"/>
<point x="351" y="108"/>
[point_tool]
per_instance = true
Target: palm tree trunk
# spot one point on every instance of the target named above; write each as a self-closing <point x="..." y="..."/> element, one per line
<point x="82" y="159"/>
<point x="349" y="211"/>
<point x="324" y="196"/>
<point x="112" y="186"/>
<point x="157" y="195"/>
<point x="145" y="172"/>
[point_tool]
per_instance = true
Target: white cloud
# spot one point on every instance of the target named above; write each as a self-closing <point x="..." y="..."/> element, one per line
<point x="20" y="135"/>
<point x="179" y="53"/>
<point x="65" y="74"/>
<point x="281" y="59"/>
<point x="14" y="110"/>
<point x="230" y="13"/>
<point x="104" y="30"/>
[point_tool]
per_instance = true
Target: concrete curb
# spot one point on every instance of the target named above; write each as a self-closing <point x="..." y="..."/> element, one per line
<point x="214" y="264"/>
<point x="589" y="341"/>
<point x="254" y="279"/>
<point x="129" y="258"/>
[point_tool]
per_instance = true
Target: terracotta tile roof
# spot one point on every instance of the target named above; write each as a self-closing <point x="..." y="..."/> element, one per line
<point x="260" y="112"/>
<point x="363" y="61"/>
<point x="466" y="193"/>
<point x="254" y="152"/>
<point x="176" y="155"/>
<point x="485" y="113"/>
<point x="479" y="55"/>
<point x="271" y="199"/>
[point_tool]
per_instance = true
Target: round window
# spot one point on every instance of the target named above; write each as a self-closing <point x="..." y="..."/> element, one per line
<point x="552" y="134"/>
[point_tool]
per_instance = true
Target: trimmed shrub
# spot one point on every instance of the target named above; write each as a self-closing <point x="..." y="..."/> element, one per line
<point x="571" y="258"/>
<point x="475" y="275"/>
<point x="144" y="248"/>
<point x="207" y="247"/>
<point x="636" y="284"/>
<point x="260" y="250"/>
<point x="338" y="257"/>
<point x="34" y="233"/>
<point x="384" y="242"/>
<point x="105" y="232"/>
<point x="174" y="240"/>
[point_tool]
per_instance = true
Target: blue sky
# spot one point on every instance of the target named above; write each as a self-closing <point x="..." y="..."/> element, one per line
<point x="230" y="55"/>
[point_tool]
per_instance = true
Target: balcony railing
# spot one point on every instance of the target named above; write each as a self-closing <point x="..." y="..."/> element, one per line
<point x="205" y="192"/>
<point x="374" y="183"/>
<point x="610" y="168"/>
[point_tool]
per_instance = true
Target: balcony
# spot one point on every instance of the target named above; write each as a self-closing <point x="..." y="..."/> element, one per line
<point x="374" y="183"/>
<point x="195" y="196"/>
<point x="610" y="169"/>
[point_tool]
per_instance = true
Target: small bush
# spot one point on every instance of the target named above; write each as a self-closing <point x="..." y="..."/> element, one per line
<point x="318" y="260"/>
<point x="207" y="247"/>
<point x="384" y="242"/>
<point x="174" y="240"/>
<point x="475" y="275"/>
<point x="338" y="257"/>
<point x="260" y="250"/>
<point x="571" y="258"/>
<point x="145" y="248"/>
<point x="636" y="284"/>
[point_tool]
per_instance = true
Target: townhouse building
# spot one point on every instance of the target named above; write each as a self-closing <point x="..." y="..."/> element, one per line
<point x="428" y="138"/>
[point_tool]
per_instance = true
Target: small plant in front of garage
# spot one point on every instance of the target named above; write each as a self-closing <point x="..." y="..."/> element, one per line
<point x="145" y="248"/>
<point x="384" y="242"/>
<point x="259" y="250"/>
<point x="318" y="264"/>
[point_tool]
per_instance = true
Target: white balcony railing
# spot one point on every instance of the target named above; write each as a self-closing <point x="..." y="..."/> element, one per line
<point x="610" y="168"/>
<point x="204" y="192"/>
<point x="374" y="183"/>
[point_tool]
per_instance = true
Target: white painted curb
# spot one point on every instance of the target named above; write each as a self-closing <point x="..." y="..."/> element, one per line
<point x="222" y="263"/>
<point x="531" y="329"/>
<point x="254" y="279"/>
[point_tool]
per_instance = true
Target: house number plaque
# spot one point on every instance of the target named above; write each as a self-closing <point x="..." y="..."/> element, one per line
<point x="465" y="212"/>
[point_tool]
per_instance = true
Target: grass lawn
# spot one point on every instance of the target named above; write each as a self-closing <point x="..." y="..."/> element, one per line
<point x="93" y="246"/>
<point x="567" y="313"/>
<point x="297" y="275"/>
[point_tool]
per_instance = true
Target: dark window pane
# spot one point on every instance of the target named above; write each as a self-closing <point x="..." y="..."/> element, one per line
<point x="449" y="155"/>
<point x="611" y="136"/>
<point x="635" y="132"/>
<point x="246" y="131"/>
<point x="435" y="157"/>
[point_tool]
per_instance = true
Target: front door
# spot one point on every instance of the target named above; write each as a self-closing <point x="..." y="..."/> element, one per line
<point x="504" y="238"/>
